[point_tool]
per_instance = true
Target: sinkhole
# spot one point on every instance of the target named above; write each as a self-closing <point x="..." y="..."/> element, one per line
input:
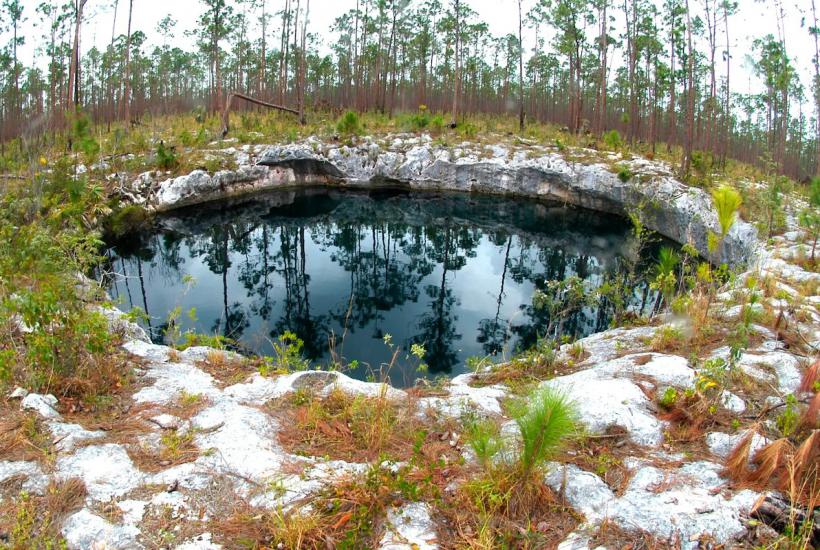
<point x="360" y="276"/>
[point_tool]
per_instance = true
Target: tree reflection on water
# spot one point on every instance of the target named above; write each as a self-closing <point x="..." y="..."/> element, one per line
<point x="454" y="273"/>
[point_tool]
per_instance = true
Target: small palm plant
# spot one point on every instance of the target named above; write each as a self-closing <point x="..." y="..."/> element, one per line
<point x="546" y="423"/>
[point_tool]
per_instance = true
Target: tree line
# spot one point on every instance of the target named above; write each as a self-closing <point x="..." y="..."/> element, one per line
<point x="657" y="71"/>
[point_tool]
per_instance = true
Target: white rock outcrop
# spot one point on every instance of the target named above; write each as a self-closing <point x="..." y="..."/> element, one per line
<point x="680" y="212"/>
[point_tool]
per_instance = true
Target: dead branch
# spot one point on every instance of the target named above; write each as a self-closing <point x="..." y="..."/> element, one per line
<point x="227" y="111"/>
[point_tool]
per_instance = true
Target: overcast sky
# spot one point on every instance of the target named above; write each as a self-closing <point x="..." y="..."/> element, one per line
<point x="755" y="18"/>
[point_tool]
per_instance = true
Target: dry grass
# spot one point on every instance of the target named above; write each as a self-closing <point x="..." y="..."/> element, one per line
<point x="23" y="436"/>
<point x="348" y="514"/>
<point x="361" y="429"/>
<point x="667" y="339"/>
<point x="526" y="370"/>
<point x="498" y="509"/>
<point x="811" y="377"/>
<point x="100" y="387"/>
<point x="691" y="416"/>
<point x="611" y="535"/>
<point x="175" y="447"/>
<point x="780" y="465"/>
<point x="187" y="405"/>
<point x="227" y="368"/>
<point x="35" y="521"/>
<point x="605" y="455"/>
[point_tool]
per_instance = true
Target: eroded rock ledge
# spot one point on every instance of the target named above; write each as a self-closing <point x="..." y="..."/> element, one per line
<point x="673" y="209"/>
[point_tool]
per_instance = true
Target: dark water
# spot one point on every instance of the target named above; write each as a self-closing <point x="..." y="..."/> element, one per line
<point x="453" y="272"/>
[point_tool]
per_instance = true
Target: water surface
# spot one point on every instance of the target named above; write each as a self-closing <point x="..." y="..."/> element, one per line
<point x="343" y="270"/>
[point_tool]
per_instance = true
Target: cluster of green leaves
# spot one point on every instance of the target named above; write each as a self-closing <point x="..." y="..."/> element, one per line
<point x="287" y="355"/>
<point x="424" y="121"/>
<point x="810" y="216"/>
<point x="51" y="339"/>
<point x="349" y="124"/>
<point x="166" y="157"/>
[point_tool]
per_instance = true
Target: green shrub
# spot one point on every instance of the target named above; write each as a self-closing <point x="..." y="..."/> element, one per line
<point x="126" y="220"/>
<point x="612" y="140"/>
<point x="789" y="420"/>
<point x="419" y="121"/>
<point x="287" y="355"/>
<point x="66" y="346"/>
<point x="83" y="138"/>
<point x="186" y="138"/>
<point x="624" y="173"/>
<point x="349" y="124"/>
<point x="702" y="162"/>
<point x="166" y="157"/>
<point x="669" y="398"/>
<point x="726" y="201"/>
<point x="469" y="130"/>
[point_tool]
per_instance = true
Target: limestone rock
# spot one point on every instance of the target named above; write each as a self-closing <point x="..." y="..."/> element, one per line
<point x="675" y="210"/>
<point x="409" y="528"/>
<point x="606" y="395"/>
<point x="200" y="542"/>
<point x="682" y="505"/>
<point x="721" y="444"/>
<point x="35" y="480"/>
<point x="106" y="470"/>
<point x="584" y="491"/>
<point x="41" y="404"/>
<point x="85" y="530"/>
<point x="66" y="435"/>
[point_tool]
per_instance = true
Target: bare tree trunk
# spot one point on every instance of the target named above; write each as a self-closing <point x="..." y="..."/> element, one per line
<point x="263" y="68"/>
<point x="217" y="64"/>
<point x="600" y="107"/>
<point x="16" y="73"/>
<point x="355" y="60"/>
<point x="672" y="119"/>
<point x="690" y="99"/>
<point x="457" y="73"/>
<point x="109" y="76"/>
<point x="816" y="87"/>
<point x="283" y="60"/>
<point x="520" y="69"/>
<point x="226" y="112"/>
<point x="302" y="68"/>
<point x="297" y="59"/>
<point x="74" y="65"/>
<point x="126" y="98"/>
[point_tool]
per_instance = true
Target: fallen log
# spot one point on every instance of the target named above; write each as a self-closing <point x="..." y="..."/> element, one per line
<point x="227" y="111"/>
<point x="780" y="515"/>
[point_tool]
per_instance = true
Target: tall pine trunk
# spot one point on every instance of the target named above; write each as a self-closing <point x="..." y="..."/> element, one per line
<point x="126" y="98"/>
<point x="457" y="72"/>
